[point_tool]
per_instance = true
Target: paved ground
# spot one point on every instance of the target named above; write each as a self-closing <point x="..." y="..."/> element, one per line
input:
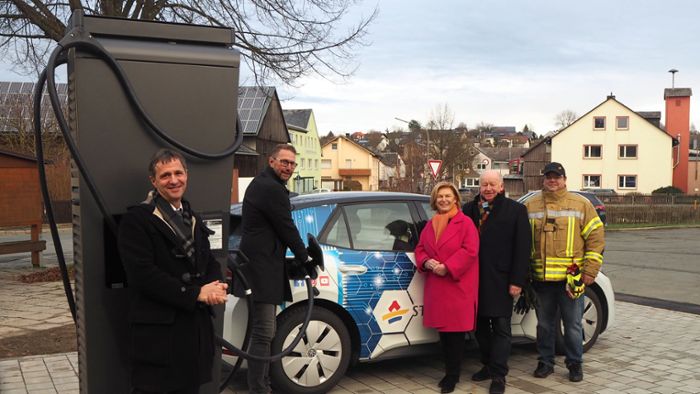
<point x="650" y="350"/>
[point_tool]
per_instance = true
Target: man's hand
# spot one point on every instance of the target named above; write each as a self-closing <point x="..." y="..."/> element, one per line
<point x="514" y="290"/>
<point x="213" y="293"/>
<point x="587" y="279"/>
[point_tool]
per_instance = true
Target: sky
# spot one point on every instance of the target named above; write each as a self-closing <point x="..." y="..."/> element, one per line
<point x="503" y="62"/>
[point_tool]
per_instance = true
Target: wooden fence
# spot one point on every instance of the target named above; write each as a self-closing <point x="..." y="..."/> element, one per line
<point x="652" y="214"/>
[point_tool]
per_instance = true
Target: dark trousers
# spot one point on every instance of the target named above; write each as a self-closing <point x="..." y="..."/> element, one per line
<point x="494" y="338"/>
<point x="262" y="330"/>
<point x="453" y="350"/>
<point x="191" y="390"/>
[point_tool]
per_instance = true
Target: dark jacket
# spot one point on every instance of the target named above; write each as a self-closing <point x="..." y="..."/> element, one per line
<point x="267" y="231"/>
<point x="172" y="344"/>
<point x="504" y="253"/>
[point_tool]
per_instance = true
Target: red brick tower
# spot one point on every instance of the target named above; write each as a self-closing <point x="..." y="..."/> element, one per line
<point x="678" y="126"/>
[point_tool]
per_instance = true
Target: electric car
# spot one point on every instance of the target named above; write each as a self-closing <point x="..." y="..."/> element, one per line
<point x="370" y="302"/>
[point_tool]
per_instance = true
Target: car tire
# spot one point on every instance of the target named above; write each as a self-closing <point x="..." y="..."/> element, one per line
<point x="320" y="359"/>
<point x="592" y="322"/>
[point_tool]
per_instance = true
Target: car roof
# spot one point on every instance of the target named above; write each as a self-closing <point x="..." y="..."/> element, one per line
<point x="307" y="200"/>
<point x="590" y="196"/>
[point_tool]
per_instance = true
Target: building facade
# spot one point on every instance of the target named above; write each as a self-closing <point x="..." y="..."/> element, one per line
<point x="301" y="124"/>
<point x="613" y="147"/>
<point x="347" y="165"/>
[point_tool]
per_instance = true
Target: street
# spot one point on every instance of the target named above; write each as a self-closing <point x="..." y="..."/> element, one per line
<point x="661" y="263"/>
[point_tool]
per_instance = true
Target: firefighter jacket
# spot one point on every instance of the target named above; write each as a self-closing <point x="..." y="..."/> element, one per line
<point x="565" y="229"/>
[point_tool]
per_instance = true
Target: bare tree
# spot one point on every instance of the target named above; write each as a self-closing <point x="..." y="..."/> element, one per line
<point x="441" y="118"/>
<point x="278" y="39"/>
<point x="565" y="118"/>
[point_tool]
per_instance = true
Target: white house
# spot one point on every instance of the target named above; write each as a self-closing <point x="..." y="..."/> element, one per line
<point x="613" y="147"/>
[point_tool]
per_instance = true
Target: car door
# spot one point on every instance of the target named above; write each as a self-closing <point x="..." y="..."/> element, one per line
<point x="375" y="242"/>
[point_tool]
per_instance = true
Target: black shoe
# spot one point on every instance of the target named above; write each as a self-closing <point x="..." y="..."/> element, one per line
<point x="482" y="375"/>
<point x="447" y="384"/>
<point x="498" y="385"/>
<point x="575" y="372"/>
<point x="543" y="370"/>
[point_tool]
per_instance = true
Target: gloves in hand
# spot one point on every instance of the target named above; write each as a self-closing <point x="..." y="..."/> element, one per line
<point x="574" y="284"/>
<point x="528" y="300"/>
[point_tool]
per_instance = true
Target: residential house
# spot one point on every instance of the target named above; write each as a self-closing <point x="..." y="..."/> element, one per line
<point x="505" y="160"/>
<point x="392" y="169"/>
<point x="347" y="165"/>
<point x="613" y="147"/>
<point x="263" y="124"/>
<point x="304" y="135"/>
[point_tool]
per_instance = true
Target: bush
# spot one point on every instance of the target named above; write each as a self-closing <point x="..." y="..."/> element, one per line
<point x="667" y="190"/>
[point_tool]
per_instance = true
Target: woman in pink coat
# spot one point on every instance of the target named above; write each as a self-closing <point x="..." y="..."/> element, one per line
<point x="448" y="254"/>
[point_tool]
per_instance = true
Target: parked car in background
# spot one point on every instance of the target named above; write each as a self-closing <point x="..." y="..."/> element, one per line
<point x="597" y="204"/>
<point x="370" y="302"/>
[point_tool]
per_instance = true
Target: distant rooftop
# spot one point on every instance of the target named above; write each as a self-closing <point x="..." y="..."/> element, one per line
<point x="297" y="117"/>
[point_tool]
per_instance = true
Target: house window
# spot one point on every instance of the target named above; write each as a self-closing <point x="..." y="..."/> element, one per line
<point x="628" y="152"/>
<point x="316" y="164"/>
<point x="592" y="151"/>
<point x="481" y="166"/>
<point x="622" y="123"/>
<point x="599" y="123"/>
<point x="627" y="181"/>
<point x="348" y="163"/>
<point x="325" y="164"/>
<point x="302" y="162"/>
<point x="591" y="181"/>
<point x="334" y="146"/>
<point x="470" y="182"/>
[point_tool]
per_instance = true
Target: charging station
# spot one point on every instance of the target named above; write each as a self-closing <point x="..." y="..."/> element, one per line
<point x="186" y="78"/>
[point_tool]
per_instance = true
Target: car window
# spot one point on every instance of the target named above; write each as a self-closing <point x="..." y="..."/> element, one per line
<point x="381" y="226"/>
<point x="337" y="235"/>
<point x="428" y="210"/>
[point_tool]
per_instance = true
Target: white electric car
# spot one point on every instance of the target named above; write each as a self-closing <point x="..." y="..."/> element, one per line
<point x="370" y="304"/>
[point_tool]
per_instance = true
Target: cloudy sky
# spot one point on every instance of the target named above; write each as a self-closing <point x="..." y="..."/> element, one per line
<point x="506" y="62"/>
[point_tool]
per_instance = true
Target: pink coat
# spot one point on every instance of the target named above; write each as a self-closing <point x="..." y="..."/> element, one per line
<point x="450" y="301"/>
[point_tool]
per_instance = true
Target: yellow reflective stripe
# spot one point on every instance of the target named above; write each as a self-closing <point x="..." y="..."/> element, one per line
<point x="594" y="256"/>
<point x="570" y="237"/>
<point x="566" y="260"/>
<point x="592" y="225"/>
<point x="532" y="232"/>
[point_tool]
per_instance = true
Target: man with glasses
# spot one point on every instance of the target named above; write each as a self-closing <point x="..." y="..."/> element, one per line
<point x="567" y="246"/>
<point x="267" y="231"/>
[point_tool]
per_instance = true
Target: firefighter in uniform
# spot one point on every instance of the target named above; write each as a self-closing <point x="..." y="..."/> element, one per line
<point x="567" y="252"/>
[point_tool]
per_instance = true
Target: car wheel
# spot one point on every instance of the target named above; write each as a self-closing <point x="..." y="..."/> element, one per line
<point x="592" y="322"/>
<point x="320" y="359"/>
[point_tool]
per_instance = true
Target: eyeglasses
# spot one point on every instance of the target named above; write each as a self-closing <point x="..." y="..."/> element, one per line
<point x="286" y="163"/>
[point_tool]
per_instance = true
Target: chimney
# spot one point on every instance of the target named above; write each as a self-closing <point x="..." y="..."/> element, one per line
<point x="678" y="126"/>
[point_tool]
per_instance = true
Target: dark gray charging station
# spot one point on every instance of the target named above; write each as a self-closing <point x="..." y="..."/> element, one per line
<point x="187" y="79"/>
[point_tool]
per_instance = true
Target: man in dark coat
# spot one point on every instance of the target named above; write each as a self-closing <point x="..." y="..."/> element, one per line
<point x="504" y="253"/>
<point x="267" y="231"/>
<point x="173" y="282"/>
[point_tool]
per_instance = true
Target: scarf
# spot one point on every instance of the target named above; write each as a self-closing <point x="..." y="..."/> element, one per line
<point x="180" y="223"/>
<point x="440" y="221"/>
